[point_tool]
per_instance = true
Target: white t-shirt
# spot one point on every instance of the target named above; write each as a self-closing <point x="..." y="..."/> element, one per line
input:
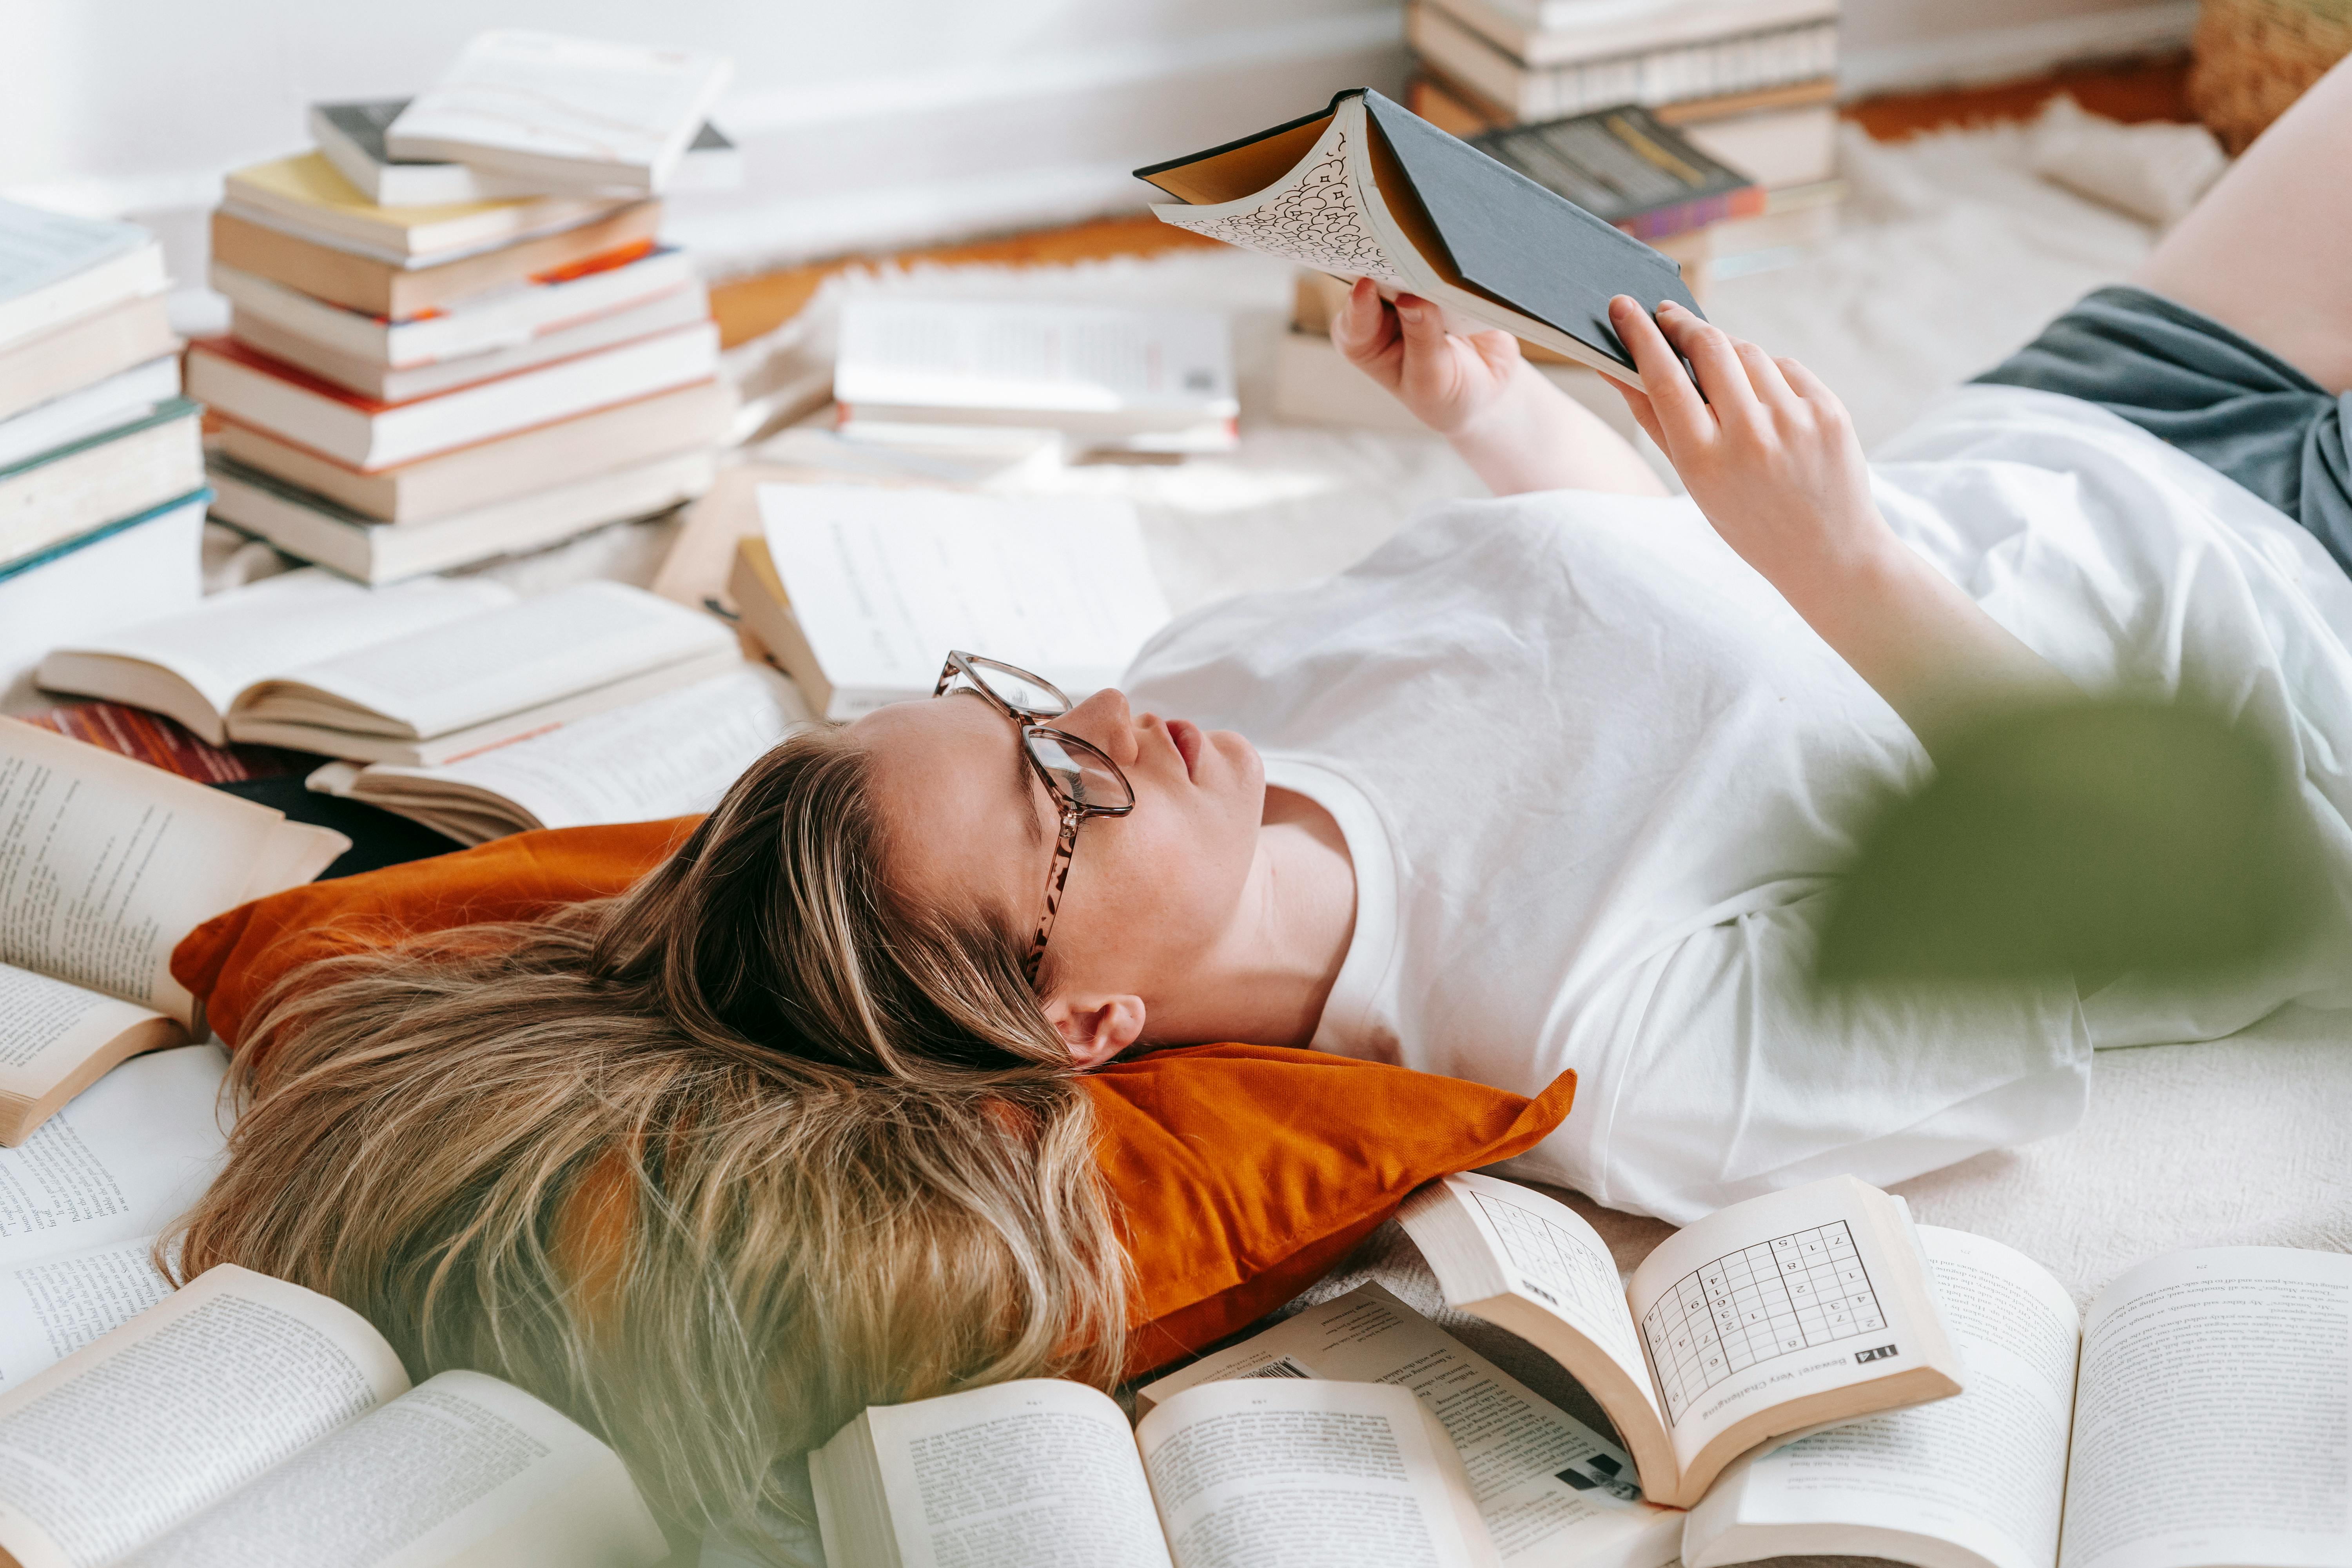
<point x="1596" y="778"/>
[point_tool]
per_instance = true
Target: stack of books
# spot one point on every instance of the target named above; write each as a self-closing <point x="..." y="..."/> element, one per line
<point x="454" y="333"/>
<point x="1748" y="83"/>
<point x="101" y="480"/>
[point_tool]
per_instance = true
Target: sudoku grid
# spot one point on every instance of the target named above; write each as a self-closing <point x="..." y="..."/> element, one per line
<point x="1788" y="1294"/>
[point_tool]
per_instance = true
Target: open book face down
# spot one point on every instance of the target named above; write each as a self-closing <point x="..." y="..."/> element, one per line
<point x="1368" y="189"/>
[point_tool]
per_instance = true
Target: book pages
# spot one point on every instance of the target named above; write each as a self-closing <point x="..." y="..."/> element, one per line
<point x="124" y="1159"/>
<point x="252" y="634"/>
<point x="52" y="1308"/>
<point x="1985" y="1471"/>
<point x="141" y="1430"/>
<point x="884" y="582"/>
<point x="1313" y="215"/>
<point x="1284" y="1470"/>
<point x="1549" y="1489"/>
<point x="1015" y="1475"/>
<point x="2210" y="1414"/>
<point x="106" y="863"/>
<point x="47" y="1027"/>
<point x="519" y="656"/>
<point x="669" y="757"/>
<point x="461" y="1470"/>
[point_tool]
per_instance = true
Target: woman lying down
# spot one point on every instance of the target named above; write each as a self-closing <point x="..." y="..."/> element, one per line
<point x="1555" y="780"/>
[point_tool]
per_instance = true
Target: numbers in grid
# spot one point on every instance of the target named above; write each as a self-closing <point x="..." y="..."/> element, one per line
<point x="1774" y="1298"/>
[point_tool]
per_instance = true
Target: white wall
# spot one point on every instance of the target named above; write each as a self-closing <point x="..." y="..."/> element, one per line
<point x="864" y="123"/>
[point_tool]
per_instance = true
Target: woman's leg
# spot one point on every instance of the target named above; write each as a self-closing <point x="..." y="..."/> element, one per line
<point x="2269" y="250"/>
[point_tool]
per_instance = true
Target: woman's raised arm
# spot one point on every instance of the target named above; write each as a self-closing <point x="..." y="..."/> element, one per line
<point x="1771" y="457"/>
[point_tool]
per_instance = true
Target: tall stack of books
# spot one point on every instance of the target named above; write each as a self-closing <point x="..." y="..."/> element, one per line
<point x="1749" y="83"/>
<point x="432" y="362"/>
<point x="101" y="480"/>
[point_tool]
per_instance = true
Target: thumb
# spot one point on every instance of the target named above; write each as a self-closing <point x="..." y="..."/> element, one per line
<point x="1424" y="327"/>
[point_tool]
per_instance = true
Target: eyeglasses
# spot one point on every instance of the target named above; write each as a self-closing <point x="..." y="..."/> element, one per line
<point x="1082" y="781"/>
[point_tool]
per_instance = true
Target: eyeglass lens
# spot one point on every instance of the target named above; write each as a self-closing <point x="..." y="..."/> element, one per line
<point x="1018" y="691"/>
<point x="1083" y="774"/>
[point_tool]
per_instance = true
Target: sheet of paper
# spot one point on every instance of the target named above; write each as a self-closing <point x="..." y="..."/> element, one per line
<point x="674" y="755"/>
<point x="460" y="1467"/>
<point x="1289" y="1471"/>
<point x="1550" y="1488"/>
<point x="2210" y="1414"/>
<point x="516" y="657"/>
<point x="884" y="582"/>
<point x="1015" y="1475"/>
<point x="52" y="1309"/>
<point x="283" y="623"/>
<point x="124" y="1159"/>
<point x="1986" y="1471"/>
<point x="106" y="863"/>
<point x="146" y="1426"/>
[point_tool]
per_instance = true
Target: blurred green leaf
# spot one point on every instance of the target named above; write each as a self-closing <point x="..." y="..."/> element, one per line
<point x="2088" y="839"/>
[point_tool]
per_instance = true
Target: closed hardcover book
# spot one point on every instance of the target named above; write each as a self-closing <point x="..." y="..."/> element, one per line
<point x="471" y="476"/>
<point x="351" y="135"/>
<point x="70" y="489"/>
<point x="567" y="114"/>
<point x="313" y="528"/>
<point x="1624" y="167"/>
<point x="506" y="318"/>
<point x="305" y="195"/>
<point x="381" y="288"/>
<point x="368" y="435"/>
<point x="1736" y="63"/>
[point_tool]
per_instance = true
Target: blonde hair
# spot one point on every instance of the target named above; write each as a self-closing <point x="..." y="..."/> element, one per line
<point x="710" y="1166"/>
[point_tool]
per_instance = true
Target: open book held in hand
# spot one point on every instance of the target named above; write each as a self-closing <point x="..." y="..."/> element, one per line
<point x="105" y="864"/>
<point x="243" y="1419"/>
<point x="1306" y="1474"/>
<point x="2108" y="1421"/>
<point x="417" y="674"/>
<point x="1369" y="189"/>
<point x="1776" y="1314"/>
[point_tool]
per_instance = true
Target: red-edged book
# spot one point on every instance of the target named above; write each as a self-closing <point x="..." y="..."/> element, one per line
<point x="368" y="435"/>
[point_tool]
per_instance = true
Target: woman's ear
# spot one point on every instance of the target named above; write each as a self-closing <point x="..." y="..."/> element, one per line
<point x="1096" y="1028"/>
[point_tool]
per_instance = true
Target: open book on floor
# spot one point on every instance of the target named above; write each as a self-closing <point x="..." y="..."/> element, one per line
<point x="242" y="1419"/>
<point x="1369" y="189"/>
<point x="418" y="674"/>
<point x="667" y="757"/>
<point x="1550" y="1489"/>
<point x="88" y="1193"/>
<point x="105" y="864"/>
<point x="1773" y="1315"/>
<point x="1303" y="1473"/>
<point x="2193" y="1416"/>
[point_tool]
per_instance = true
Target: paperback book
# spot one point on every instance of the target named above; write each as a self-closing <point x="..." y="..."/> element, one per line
<point x="351" y="135"/>
<point x="55" y="267"/>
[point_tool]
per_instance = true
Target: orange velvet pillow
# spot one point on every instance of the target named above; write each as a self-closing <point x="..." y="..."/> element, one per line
<point x="1240" y="1172"/>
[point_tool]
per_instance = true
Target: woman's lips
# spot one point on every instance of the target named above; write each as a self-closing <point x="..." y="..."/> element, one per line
<point x="1187" y="737"/>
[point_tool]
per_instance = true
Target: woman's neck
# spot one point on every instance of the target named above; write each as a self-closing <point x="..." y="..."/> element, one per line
<point x="1268" y="980"/>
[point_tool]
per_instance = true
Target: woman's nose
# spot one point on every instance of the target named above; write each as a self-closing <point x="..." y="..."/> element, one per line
<point x="1105" y="720"/>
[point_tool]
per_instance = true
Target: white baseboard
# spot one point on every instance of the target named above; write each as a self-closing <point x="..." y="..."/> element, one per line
<point x="1992" y="54"/>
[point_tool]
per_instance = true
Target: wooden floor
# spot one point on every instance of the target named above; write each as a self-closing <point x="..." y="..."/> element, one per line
<point x="2129" y="90"/>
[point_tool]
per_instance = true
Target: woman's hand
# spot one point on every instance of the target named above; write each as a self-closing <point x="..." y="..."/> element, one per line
<point x="1516" y="429"/>
<point x="1770" y="456"/>
<point x="1446" y="381"/>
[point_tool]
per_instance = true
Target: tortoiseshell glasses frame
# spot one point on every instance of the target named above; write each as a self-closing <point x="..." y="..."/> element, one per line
<point x="1078" y="778"/>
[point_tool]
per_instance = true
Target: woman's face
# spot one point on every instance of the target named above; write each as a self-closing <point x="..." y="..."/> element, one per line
<point x="1149" y="893"/>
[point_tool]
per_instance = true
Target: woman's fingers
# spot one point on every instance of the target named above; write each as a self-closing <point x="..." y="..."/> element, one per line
<point x="1424" y="326"/>
<point x="1810" y="387"/>
<point x="1773" y="388"/>
<point x="1361" y="322"/>
<point x="1714" y="354"/>
<point x="1673" y="402"/>
<point x="1643" y="414"/>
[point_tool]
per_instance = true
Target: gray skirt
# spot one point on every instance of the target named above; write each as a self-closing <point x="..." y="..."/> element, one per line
<point x="2223" y="399"/>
